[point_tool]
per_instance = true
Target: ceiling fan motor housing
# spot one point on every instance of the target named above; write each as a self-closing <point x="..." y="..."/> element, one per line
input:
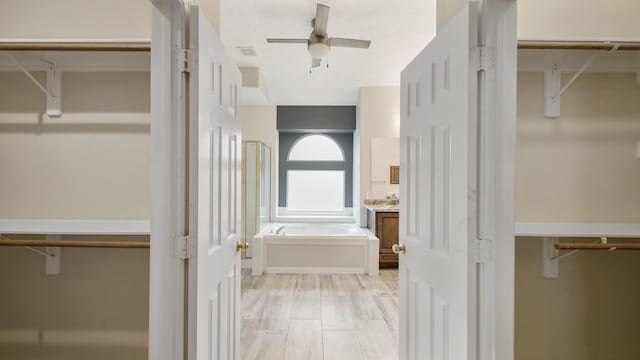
<point x="318" y="46"/>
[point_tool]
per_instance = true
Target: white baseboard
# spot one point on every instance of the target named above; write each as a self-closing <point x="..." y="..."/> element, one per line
<point x="246" y="263"/>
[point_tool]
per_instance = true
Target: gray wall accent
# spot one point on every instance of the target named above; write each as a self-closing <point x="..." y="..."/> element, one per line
<point x="325" y="119"/>
<point x="286" y="140"/>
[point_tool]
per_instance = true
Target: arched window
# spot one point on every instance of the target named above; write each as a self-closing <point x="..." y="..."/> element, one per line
<point x="315" y="148"/>
<point x="315" y="172"/>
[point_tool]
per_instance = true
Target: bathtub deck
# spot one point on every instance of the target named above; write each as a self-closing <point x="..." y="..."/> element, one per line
<point x="320" y="317"/>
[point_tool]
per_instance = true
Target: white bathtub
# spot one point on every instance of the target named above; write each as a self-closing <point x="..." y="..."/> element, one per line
<point x="315" y="248"/>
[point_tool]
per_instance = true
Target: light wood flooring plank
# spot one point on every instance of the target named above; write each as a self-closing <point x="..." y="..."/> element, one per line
<point x="389" y="307"/>
<point x="303" y="316"/>
<point x="276" y="313"/>
<point x="376" y="340"/>
<point x="283" y="285"/>
<point x="246" y="279"/>
<point x="342" y="284"/>
<point x="304" y="340"/>
<point x="374" y="285"/>
<point x="341" y="345"/>
<point x="252" y="304"/>
<point x="390" y="277"/>
<point x="265" y="345"/>
<point x="364" y="307"/>
<point x="337" y="313"/>
<point x="306" y="302"/>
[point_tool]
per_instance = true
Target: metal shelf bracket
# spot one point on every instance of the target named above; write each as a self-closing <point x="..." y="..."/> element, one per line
<point x="52" y="255"/>
<point x="53" y="264"/>
<point x="553" y="88"/>
<point x="551" y="256"/>
<point x="52" y="89"/>
<point x="550" y="266"/>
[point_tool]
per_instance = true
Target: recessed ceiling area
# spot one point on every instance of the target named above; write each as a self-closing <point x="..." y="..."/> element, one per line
<point x="398" y="31"/>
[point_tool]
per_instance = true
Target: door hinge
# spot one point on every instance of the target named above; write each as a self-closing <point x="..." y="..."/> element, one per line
<point x="481" y="250"/>
<point x="482" y="58"/>
<point x="183" y="246"/>
<point x="183" y="60"/>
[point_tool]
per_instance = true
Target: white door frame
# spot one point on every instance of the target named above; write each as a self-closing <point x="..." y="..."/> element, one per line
<point x="168" y="183"/>
<point x="167" y="287"/>
<point x="497" y="135"/>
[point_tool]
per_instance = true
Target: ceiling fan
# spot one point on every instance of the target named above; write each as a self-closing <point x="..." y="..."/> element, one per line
<point x="319" y="43"/>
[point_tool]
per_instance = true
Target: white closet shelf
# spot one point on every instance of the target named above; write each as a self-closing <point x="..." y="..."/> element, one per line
<point x="54" y="57"/>
<point x="552" y="232"/>
<point x="75" y="227"/>
<point x="78" y="45"/>
<point x="578" y="230"/>
<point x="75" y="55"/>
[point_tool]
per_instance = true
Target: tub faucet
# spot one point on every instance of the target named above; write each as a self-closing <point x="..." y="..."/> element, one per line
<point x="278" y="229"/>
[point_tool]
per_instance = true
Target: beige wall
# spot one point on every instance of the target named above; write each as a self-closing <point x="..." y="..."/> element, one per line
<point x="582" y="166"/>
<point x="211" y="9"/>
<point x="82" y="19"/>
<point x="91" y="163"/>
<point x="96" y="308"/>
<point x="75" y="19"/>
<point x="589" y="313"/>
<point x="259" y="123"/>
<point x="446" y="9"/>
<point x="572" y="19"/>
<point x="378" y="116"/>
<point x="566" y="19"/>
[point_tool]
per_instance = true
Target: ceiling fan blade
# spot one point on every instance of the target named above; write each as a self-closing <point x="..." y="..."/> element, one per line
<point x="352" y="43"/>
<point x="315" y="62"/>
<point x="288" y="41"/>
<point x="321" y="20"/>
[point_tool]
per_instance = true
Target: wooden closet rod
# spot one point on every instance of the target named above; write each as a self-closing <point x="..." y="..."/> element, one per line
<point x="578" y="45"/>
<point x="77" y="243"/>
<point x="597" y="246"/>
<point x="76" y="46"/>
<point x="146" y="46"/>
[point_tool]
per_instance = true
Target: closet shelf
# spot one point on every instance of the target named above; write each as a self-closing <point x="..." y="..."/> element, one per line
<point x="54" y="57"/>
<point x="578" y="230"/>
<point x="75" y="227"/>
<point x="54" y="229"/>
<point x="612" y="56"/>
<point x="552" y="232"/>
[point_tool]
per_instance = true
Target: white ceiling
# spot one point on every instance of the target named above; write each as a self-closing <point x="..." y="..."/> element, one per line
<point x="399" y="29"/>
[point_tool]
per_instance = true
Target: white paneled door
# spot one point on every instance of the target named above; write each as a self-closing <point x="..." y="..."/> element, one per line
<point x="439" y="97"/>
<point x="214" y="196"/>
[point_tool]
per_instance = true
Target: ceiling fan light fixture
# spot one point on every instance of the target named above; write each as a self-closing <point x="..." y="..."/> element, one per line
<point x="319" y="50"/>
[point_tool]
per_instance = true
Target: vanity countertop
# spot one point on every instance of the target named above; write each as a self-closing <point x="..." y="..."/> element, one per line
<point x="382" y="205"/>
<point x="383" y="208"/>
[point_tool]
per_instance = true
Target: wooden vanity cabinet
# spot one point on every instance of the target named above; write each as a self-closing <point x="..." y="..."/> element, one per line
<point x="386" y="227"/>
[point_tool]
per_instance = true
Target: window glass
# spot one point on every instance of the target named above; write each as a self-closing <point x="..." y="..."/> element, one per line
<point x="316" y="148"/>
<point x="315" y="190"/>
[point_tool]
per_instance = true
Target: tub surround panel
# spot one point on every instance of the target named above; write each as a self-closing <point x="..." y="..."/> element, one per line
<point x="315" y="248"/>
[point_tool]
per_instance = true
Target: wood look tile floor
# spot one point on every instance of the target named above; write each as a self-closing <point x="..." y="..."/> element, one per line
<point x="320" y="317"/>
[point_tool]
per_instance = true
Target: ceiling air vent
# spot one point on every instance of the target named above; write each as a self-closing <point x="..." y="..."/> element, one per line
<point x="247" y="50"/>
